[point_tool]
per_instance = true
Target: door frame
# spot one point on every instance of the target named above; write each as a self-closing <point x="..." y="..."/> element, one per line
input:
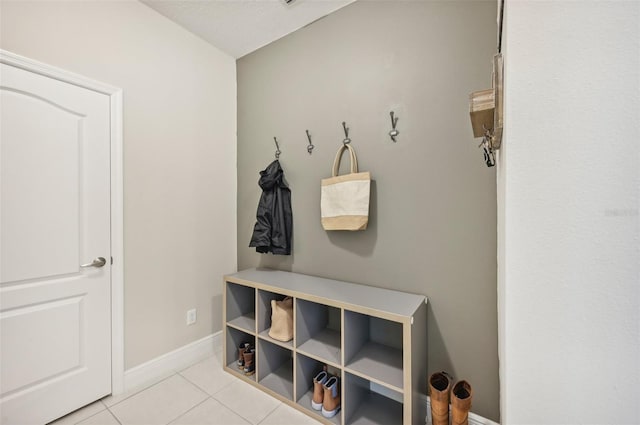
<point x="117" y="198"/>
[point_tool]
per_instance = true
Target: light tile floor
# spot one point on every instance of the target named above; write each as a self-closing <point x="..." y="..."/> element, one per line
<point x="202" y="394"/>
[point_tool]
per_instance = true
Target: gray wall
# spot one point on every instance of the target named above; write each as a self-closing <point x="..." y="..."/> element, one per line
<point x="433" y="209"/>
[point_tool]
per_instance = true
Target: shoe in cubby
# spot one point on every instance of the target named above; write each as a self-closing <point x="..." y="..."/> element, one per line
<point x="311" y="374"/>
<point x="237" y="343"/>
<point x="331" y="397"/>
<point x="318" y="390"/>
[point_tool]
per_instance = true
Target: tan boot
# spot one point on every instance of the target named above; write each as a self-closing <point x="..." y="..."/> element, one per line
<point x="331" y="397"/>
<point x="249" y="366"/>
<point x="439" y="386"/>
<point x="461" y="396"/>
<point x="318" y="391"/>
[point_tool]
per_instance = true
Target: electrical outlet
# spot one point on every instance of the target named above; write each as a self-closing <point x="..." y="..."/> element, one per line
<point x="191" y="316"/>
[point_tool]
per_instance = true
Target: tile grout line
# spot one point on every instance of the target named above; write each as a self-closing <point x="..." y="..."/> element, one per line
<point x="232" y="411"/>
<point x="202" y="389"/>
<point x="238" y="413"/>
<point x="138" y="391"/>
<point x="82" y="420"/>
<point x="141" y="389"/>
<point x="212" y="396"/>
<point x="114" y="416"/>
<point x="193" y="384"/>
<point x="280" y="404"/>
<point x="269" y="414"/>
<point x="208" y="396"/>
<point x="192" y="407"/>
<point x="224" y="406"/>
<point x="151" y="386"/>
<point x="187" y="411"/>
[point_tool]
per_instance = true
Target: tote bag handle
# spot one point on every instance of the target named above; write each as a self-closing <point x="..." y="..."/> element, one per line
<point x="336" y="162"/>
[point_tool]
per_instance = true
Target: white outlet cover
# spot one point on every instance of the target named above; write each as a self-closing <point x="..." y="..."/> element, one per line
<point x="191" y="316"/>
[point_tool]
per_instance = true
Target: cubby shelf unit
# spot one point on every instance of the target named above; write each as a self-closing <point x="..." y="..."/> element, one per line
<point x="373" y="339"/>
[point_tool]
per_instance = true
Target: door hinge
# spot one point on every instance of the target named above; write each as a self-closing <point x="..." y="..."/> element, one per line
<point x="112" y="261"/>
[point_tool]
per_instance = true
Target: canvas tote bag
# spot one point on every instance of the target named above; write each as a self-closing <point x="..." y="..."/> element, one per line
<point x="282" y="320"/>
<point x="344" y="200"/>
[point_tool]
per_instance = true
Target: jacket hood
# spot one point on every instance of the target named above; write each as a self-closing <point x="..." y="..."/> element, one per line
<point x="272" y="176"/>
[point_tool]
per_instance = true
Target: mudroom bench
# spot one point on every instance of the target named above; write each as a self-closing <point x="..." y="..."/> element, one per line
<point x="372" y="339"/>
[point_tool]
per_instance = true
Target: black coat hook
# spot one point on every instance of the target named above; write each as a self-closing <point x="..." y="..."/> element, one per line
<point x="393" y="133"/>
<point x="346" y="133"/>
<point x="310" y="146"/>
<point x="278" y="152"/>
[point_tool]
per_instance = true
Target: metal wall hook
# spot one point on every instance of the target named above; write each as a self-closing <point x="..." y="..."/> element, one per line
<point x="393" y="133"/>
<point x="278" y="152"/>
<point x="346" y="133"/>
<point x="310" y="146"/>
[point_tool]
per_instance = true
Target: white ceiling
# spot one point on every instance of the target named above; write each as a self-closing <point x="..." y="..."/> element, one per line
<point x="239" y="27"/>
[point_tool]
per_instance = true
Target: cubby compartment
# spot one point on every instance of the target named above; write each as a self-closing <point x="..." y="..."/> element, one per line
<point x="318" y="331"/>
<point x="373" y="348"/>
<point x="234" y="339"/>
<point x="367" y="403"/>
<point x="241" y="307"/>
<point x="306" y="369"/>
<point x="264" y="317"/>
<point x="275" y="368"/>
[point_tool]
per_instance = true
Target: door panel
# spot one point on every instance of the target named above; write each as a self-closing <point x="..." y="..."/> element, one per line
<point x="43" y="209"/>
<point x="55" y="215"/>
<point x="52" y="324"/>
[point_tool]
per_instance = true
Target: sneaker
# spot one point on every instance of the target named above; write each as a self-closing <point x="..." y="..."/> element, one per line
<point x="318" y="382"/>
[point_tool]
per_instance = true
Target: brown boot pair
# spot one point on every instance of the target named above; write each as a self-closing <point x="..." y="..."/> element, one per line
<point x="461" y="395"/>
<point x="326" y="394"/>
<point x="245" y="358"/>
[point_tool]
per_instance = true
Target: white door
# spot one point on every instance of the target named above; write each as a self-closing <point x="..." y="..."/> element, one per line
<point x="55" y="307"/>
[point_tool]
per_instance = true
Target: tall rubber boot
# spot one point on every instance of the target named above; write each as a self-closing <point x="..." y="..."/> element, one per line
<point x="461" y="396"/>
<point x="439" y="385"/>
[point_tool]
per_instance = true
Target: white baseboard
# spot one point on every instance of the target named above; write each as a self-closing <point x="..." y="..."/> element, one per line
<point x="167" y="364"/>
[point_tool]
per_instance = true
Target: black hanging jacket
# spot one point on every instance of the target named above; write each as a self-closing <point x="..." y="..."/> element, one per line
<point x="272" y="232"/>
